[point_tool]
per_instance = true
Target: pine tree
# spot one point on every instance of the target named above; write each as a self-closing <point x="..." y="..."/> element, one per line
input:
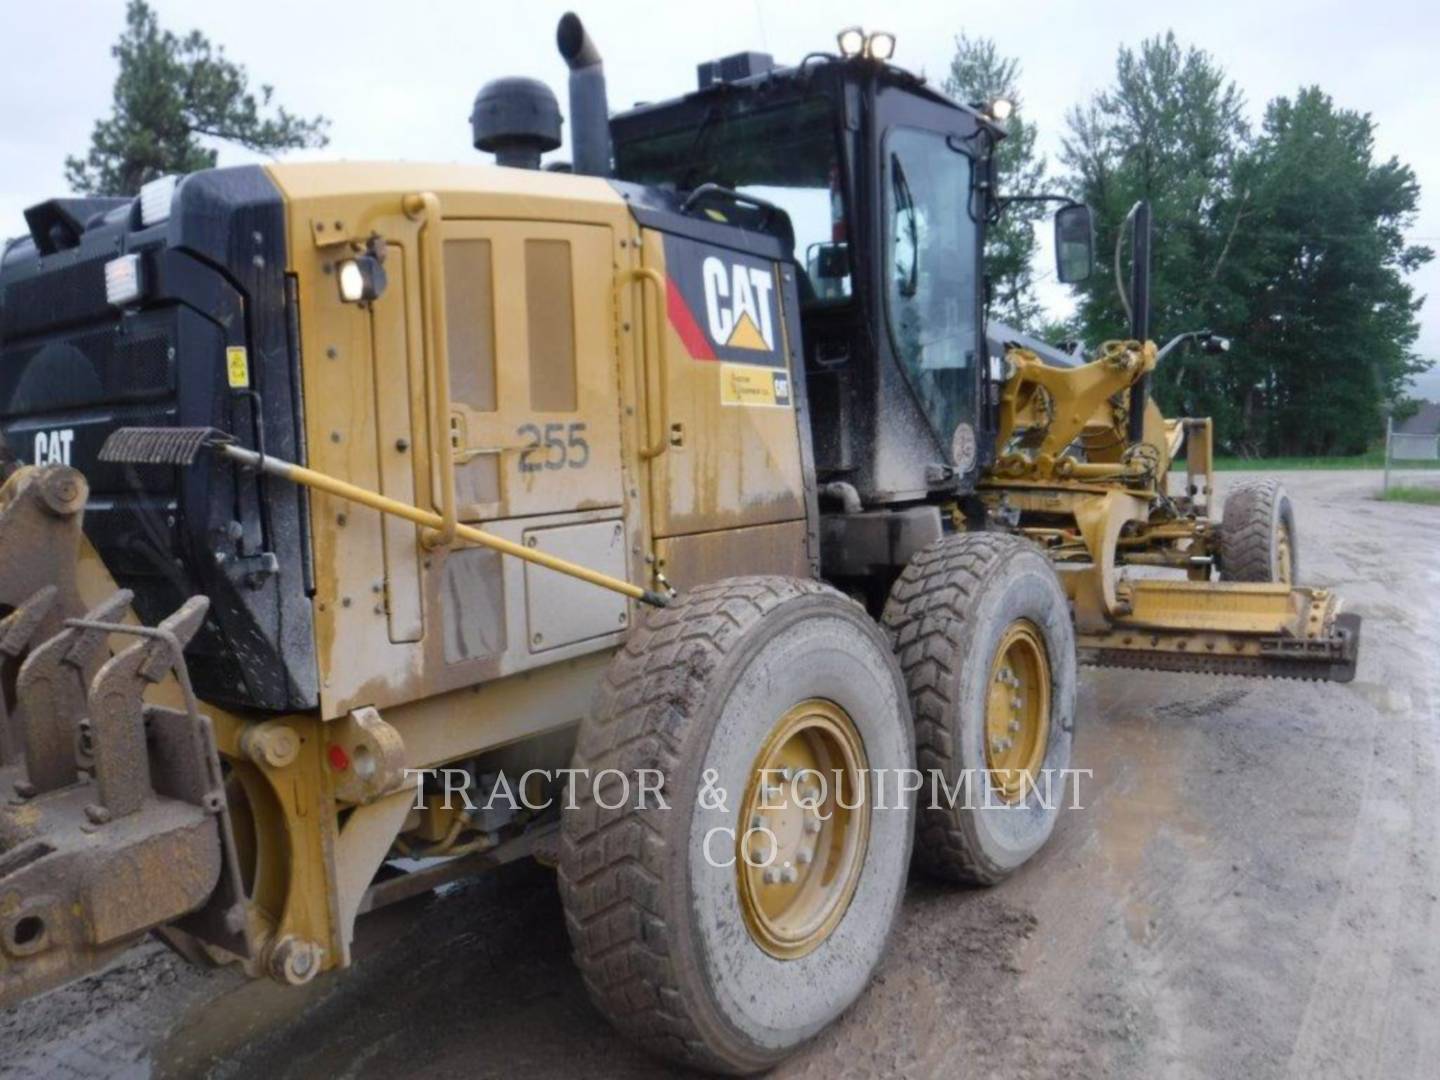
<point x="171" y="93"/>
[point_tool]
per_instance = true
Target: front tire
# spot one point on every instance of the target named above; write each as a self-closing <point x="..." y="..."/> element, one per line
<point x="983" y="632"/>
<point x="719" y="966"/>
<point x="1257" y="534"/>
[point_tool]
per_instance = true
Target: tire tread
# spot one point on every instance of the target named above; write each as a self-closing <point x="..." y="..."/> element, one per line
<point x="612" y="862"/>
<point x="1252" y="513"/>
<point x="926" y="616"/>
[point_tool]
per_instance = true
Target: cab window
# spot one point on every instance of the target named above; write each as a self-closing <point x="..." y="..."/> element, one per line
<point x="784" y="153"/>
<point x="930" y="268"/>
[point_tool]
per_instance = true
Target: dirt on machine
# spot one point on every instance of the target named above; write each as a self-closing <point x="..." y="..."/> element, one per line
<point x="676" y="517"/>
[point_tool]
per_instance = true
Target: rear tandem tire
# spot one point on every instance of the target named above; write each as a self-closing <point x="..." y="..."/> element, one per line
<point x="670" y="945"/>
<point x="954" y="616"/>
<point x="1257" y="534"/>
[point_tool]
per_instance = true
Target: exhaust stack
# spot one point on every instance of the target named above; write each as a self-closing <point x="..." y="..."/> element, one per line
<point x="589" y="110"/>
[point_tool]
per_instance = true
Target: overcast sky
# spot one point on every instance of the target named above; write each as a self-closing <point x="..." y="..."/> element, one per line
<point x="397" y="79"/>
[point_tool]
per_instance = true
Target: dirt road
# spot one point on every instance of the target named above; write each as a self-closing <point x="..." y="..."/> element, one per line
<point x="1252" y="889"/>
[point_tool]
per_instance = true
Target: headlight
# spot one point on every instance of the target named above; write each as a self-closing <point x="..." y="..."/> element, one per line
<point x="361" y="279"/>
<point x="155" y="200"/>
<point x="880" y="45"/>
<point x="124" y="280"/>
<point x="851" y="41"/>
<point x="352" y="282"/>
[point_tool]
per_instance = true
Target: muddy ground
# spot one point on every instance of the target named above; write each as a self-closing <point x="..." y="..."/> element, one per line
<point x="1252" y="889"/>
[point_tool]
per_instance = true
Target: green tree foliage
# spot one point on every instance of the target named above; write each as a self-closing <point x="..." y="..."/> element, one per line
<point x="1330" y="318"/>
<point x="1171" y="130"/>
<point x="172" y="93"/>
<point x="1289" y="241"/>
<point x="979" y="73"/>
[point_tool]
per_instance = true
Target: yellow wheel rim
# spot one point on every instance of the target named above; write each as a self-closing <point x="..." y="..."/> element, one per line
<point x="1017" y="710"/>
<point x="800" y="849"/>
<point x="1284" y="555"/>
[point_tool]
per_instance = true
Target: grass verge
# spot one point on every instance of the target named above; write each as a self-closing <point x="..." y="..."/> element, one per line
<point x="1426" y="496"/>
<point x="1374" y="459"/>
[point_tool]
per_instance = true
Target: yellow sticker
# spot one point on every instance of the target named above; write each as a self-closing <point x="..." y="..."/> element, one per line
<point x="237" y="367"/>
<point x="747" y="384"/>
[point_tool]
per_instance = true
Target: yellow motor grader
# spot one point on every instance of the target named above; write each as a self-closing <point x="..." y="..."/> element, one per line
<point x="674" y="517"/>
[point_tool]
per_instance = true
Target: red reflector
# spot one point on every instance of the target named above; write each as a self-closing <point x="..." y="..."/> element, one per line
<point x="339" y="760"/>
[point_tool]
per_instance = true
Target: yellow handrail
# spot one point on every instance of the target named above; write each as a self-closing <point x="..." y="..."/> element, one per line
<point x="343" y="489"/>
<point x="650" y="275"/>
<point x="425" y="207"/>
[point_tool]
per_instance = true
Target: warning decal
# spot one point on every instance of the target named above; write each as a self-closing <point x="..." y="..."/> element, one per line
<point x="237" y="367"/>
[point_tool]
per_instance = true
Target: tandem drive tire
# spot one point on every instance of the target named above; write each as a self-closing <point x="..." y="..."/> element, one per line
<point x="1257" y="534"/>
<point x="742" y="694"/>
<point x="983" y="632"/>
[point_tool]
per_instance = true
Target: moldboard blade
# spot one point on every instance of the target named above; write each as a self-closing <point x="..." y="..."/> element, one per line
<point x="1331" y="659"/>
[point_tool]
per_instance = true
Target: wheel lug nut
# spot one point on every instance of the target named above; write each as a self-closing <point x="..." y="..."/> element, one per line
<point x="789" y="875"/>
<point x="757" y="821"/>
<point x="1014" y="725"/>
<point x="772" y="876"/>
<point x="803" y="856"/>
<point x="812" y="825"/>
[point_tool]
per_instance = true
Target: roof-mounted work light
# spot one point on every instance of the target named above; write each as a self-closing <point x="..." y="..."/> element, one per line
<point x="851" y="41"/>
<point x="880" y="46"/>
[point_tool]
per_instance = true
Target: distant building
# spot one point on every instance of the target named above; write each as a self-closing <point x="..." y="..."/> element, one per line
<point x="1426" y="421"/>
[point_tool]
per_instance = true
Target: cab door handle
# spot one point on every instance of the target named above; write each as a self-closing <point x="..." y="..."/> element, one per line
<point x="648" y="275"/>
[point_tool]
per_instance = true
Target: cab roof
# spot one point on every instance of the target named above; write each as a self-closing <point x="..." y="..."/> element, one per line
<point x="817" y="70"/>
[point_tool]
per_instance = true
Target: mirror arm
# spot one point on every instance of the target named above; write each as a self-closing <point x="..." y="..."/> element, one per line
<point x="1008" y="200"/>
<point x="1178" y="340"/>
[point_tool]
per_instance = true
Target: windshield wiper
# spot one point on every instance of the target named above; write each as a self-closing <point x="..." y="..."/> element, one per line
<point x="692" y="154"/>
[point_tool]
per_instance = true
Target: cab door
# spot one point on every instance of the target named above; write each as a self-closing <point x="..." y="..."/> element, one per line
<point x="534" y="418"/>
<point x="724" y="445"/>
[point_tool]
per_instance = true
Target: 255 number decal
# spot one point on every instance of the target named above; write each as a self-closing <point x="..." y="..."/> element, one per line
<point x="563" y="446"/>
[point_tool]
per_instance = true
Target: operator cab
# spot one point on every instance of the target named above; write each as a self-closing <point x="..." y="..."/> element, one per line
<point x="874" y="184"/>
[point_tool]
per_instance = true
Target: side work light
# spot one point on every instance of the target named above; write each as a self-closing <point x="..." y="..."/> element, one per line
<point x="124" y="280"/>
<point x="155" y="200"/>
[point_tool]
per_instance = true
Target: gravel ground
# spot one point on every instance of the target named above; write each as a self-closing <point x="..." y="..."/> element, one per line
<point x="1252" y="889"/>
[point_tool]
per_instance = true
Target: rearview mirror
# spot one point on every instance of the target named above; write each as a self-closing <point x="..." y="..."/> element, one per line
<point x="829" y="261"/>
<point x="1074" y="243"/>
